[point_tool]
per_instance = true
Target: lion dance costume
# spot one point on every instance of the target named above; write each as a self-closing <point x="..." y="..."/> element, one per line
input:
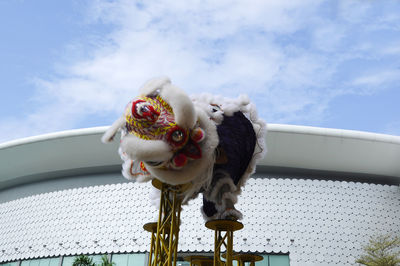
<point x="210" y="144"/>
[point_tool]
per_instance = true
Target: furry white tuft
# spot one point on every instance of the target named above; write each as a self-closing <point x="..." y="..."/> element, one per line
<point x="231" y="214"/>
<point x="215" y="189"/>
<point x="109" y="135"/>
<point x="145" y="150"/>
<point x="151" y="86"/>
<point x="184" y="113"/>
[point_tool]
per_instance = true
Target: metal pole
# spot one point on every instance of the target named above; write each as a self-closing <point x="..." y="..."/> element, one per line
<point x="167" y="233"/>
<point x="226" y="239"/>
<point x="229" y="248"/>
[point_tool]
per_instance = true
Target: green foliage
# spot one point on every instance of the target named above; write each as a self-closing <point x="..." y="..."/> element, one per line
<point x="106" y="262"/>
<point x="382" y="250"/>
<point x="83" y="260"/>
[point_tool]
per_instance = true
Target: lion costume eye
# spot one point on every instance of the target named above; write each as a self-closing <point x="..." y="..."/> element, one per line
<point x="178" y="136"/>
<point x="141" y="108"/>
<point x="215" y="108"/>
<point x="144" y="109"/>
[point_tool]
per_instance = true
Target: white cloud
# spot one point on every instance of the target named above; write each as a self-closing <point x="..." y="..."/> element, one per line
<point x="224" y="47"/>
<point x="392" y="49"/>
<point x="329" y="36"/>
<point x="376" y="79"/>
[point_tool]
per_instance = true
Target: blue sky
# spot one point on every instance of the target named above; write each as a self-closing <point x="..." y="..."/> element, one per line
<point x="75" y="64"/>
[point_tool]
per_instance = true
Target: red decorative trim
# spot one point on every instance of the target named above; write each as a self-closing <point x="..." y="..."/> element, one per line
<point x="143" y="167"/>
<point x="133" y="110"/>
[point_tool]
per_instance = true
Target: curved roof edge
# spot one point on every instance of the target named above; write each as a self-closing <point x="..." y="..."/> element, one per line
<point x="54" y="135"/>
<point x="332" y="132"/>
<point x="289" y="147"/>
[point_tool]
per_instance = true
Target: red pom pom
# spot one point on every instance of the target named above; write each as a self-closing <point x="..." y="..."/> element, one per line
<point x="197" y="135"/>
<point x="180" y="160"/>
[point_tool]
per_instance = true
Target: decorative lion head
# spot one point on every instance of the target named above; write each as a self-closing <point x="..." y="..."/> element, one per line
<point x="165" y="136"/>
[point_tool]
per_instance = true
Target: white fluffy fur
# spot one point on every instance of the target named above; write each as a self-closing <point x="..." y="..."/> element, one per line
<point x="151" y="86"/>
<point x="145" y="150"/>
<point x="126" y="169"/>
<point x="187" y="113"/>
<point x="110" y="133"/>
<point x="222" y="212"/>
<point x="231" y="196"/>
<point x="129" y="167"/>
<point x="232" y="212"/>
<point x="198" y="172"/>
<point x="214" y="190"/>
<point x="228" y="106"/>
<point x="184" y="112"/>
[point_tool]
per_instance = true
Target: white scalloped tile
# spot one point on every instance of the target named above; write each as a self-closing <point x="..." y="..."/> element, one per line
<point x="326" y="219"/>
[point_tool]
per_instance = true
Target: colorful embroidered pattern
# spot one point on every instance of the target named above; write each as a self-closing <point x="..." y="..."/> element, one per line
<point x="150" y="130"/>
<point x="152" y="118"/>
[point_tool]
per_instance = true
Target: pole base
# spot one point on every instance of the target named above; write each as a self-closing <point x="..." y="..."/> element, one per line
<point x="242" y="258"/>
<point x="198" y="260"/>
<point x="224" y="225"/>
<point x="223" y="238"/>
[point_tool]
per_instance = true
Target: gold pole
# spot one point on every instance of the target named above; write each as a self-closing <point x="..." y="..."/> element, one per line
<point x="229" y="248"/>
<point x="152" y="228"/>
<point x="153" y="239"/>
<point x="178" y="221"/>
<point x="158" y="250"/>
<point x="164" y="247"/>
<point x="216" y="249"/>
<point x="223" y="237"/>
<point x="171" y="250"/>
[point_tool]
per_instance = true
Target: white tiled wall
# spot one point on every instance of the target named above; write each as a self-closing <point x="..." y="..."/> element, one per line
<point x="317" y="222"/>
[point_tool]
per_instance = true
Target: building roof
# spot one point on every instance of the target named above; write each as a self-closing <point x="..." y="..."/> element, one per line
<point x="294" y="148"/>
